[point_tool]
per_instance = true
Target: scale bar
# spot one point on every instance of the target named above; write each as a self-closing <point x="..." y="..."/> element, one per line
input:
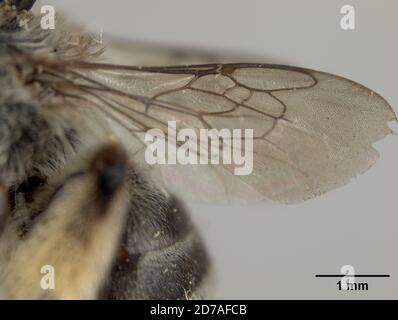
<point x="352" y="276"/>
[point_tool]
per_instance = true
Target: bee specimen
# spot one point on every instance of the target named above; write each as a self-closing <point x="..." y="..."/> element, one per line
<point x="77" y="193"/>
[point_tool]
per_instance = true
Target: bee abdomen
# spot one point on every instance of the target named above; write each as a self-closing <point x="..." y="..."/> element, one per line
<point x="171" y="273"/>
<point x="162" y="255"/>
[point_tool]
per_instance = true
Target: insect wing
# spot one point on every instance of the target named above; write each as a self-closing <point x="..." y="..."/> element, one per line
<point x="313" y="131"/>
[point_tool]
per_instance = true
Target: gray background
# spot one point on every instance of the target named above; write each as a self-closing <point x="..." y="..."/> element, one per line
<point x="265" y="251"/>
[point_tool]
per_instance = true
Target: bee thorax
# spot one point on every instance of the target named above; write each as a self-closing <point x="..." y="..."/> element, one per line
<point x="28" y="138"/>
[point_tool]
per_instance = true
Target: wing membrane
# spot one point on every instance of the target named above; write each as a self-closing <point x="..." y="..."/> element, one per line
<point x="313" y="131"/>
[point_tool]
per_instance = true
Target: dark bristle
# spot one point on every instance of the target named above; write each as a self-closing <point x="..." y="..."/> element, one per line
<point x="110" y="165"/>
<point x="22" y="4"/>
